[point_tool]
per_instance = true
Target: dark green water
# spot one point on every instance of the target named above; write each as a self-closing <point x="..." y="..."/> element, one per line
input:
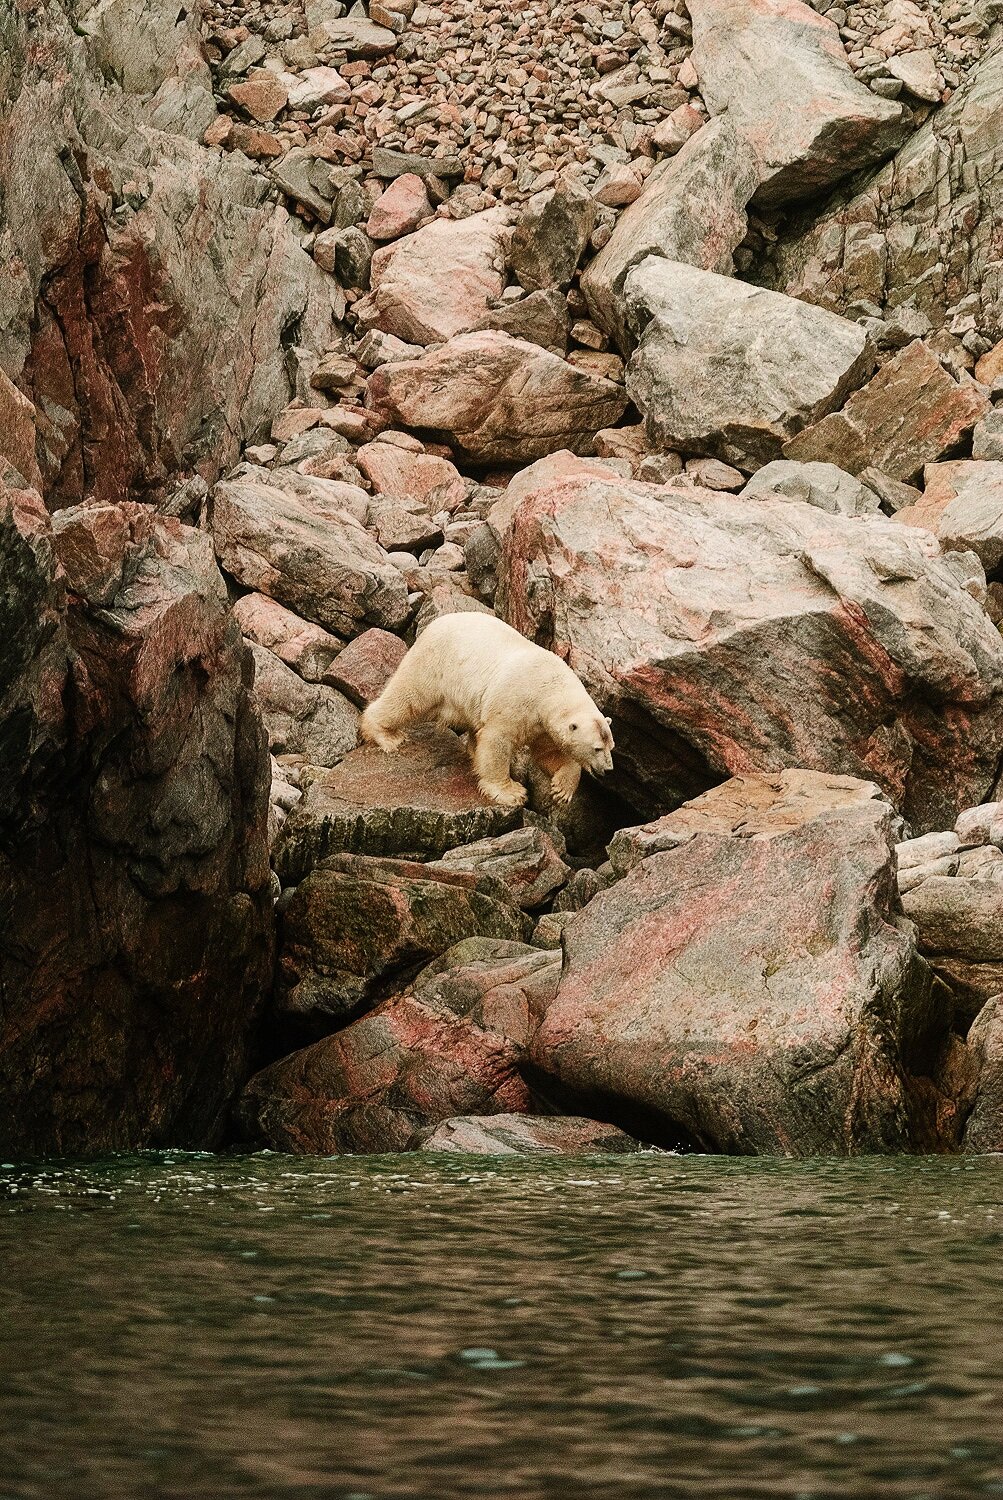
<point x="184" y="1326"/>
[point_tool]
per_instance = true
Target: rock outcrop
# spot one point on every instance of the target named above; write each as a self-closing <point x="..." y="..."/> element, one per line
<point x="136" y="941"/>
<point x="725" y="635"/>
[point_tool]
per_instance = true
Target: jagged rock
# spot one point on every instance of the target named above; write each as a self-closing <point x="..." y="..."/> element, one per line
<point x="497" y="399"/>
<point x="399" y="209"/>
<point x="305" y="719"/>
<point x="514" y="1135"/>
<point x="985" y="1040"/>
<point x="401" y="475"/>
<point x="503" y="987"/>
<point x="780" y="72"/>
<point x="525" y="860"/>
<point x="307" y="648"/>
<point x="355" y="923"/>
<point x="924" y="228"/>
<point x="752" y="988"/>
<point x="541" y="318"/>
<point x="372" y="1086"/>
<point x="308" y="554"/>
<point x="134" y="879"/>
<point x="366" y="665"/>
<point x="692" y="210"/>
<point x="134" y="256"/>
<point x="730" y="370"/>
<point x="357" y="36"/>
<point x="823" y="485"/>
<point x="962" y="505"/>
<point x="909" y="415"/>
<point x="17" y="432"/>
<point x="959" y="930"/>
<point x="724" y="634"/>
<point x="552" y="232"/>
<point x="439" y="281"/>
<point x="418" y="802"/>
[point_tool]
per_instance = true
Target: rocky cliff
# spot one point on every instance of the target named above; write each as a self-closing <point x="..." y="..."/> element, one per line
<point x="669" y="332"/>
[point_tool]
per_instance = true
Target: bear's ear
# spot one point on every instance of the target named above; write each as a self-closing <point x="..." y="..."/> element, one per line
<point x="608" y="719"/>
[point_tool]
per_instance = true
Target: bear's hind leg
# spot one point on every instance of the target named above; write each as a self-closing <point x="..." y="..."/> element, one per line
<point x="493" y="768"/>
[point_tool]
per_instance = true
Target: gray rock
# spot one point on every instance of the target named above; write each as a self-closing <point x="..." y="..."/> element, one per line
<point x="985" y="1039"/>
<point x="962" y="505"/>
<point x="390" y="164"/>
<point x="731" y="370"/>
<point x="302" y="718"/>
<point x="525" y="860"/>
<point x="552" y="232"/>
<point x="515" y="1135"/>
<point x="356" y="35"/>
<point x="541" y="318"/>
<point x="780" y="73"/>
<point x="817" y="484"/>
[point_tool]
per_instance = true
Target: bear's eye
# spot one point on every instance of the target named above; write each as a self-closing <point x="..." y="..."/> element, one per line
<point x="572" y="726"/>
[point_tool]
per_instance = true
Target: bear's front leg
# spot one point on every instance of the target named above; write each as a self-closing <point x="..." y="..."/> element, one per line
<point x="564" y="782"/>
<point x="493" y="768"/>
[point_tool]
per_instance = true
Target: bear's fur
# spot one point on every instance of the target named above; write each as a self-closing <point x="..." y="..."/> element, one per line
<point x="473" y="673"/>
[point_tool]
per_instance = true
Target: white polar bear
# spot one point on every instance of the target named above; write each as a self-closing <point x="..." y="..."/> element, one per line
<point x="473" y="672"/>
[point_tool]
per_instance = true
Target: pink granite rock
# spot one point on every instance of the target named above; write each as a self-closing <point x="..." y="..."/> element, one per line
<point x="399" y="209"/>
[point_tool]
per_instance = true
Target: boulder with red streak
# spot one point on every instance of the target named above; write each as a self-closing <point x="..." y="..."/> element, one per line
<point x="726" y="635"/>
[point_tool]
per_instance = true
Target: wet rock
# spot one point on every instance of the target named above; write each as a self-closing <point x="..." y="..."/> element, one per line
<point x="962" y="505"/>
<point x="497" y="399"/>
<point x="684" y="985"/>
<point x="723" y="634"/>
<point x="307" y="648"/>
<point x="823" y="485"/>
<point x="302" y="718"/>
<point x="310" y="555"/>
<point x="779" y="71"/>
<point x="692" y="210"/>
<point x="439" y="281"/>
<point x="514" y="1135"/>
<point x="910" y="414"/>
<point x="134" y="877"/>
<point x="354" y="925"/>
<point x="418" y="802"/>
<point x="985" y="1124"/>
<point x="366" y="665"/>
<point x="730" y="370"/>
<point x="526" y="861"/>
<point x="551" y="235"/>
<point x="370" y="1087"/>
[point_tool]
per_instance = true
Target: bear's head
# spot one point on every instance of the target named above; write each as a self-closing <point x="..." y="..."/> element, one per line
<point x="589" y="740"/>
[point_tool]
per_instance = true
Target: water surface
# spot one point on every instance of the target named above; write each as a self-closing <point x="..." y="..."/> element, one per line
<point x="194" y="1326"/>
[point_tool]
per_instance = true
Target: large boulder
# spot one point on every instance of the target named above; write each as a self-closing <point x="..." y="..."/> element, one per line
<point x="373" y="1086"/>
<point x="440" y="280"/>
<point x="134" y="880"/>
<point x="497" y="399"/>
<point x="416" y="803"/>
<point x="753" y="989"/>
<point x="909" y="415"/>
<point x="355" y="925"/>
<point x="149" y="284"/>
<point x="552" y="232"/>
<point x="515" y="1135"/>
<point x="503" y="987"/>
<point x="310" y="555"/>
<point x="731" y="370"/>
<point x="779" y="71"/>
<point x="692" y="210"/>
<point x="726" y="635"/>
<point x="924" y="231"/>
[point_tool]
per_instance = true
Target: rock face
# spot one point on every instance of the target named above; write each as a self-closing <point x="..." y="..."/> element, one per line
<point x="417" y="803"/>
<point x="724" y="635"/>
<point x="730" y="370"/>
<point x="910" y="414"/>
<point x="135" y="259"/>
<point x="985" y="1124"/>
<point x="355" y="923"/>
<point x="751" y="989"/>
<point x="923" y="231"/>
<point x="372" y="1086"/>
<point x="962" y="505"/>
<point x="133" y="858"/>
<point x="302" y="718"/>
<point x="779" y="72"/>
<point x="497" y="399"/>
<point x="514" y="1135"/>
<point x="439" y="281"/>
<point x="692" y="210"/>
<point x="316" y="559"/>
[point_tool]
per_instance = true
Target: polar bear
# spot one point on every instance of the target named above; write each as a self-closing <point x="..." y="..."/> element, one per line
<point x="473" y="672"/>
